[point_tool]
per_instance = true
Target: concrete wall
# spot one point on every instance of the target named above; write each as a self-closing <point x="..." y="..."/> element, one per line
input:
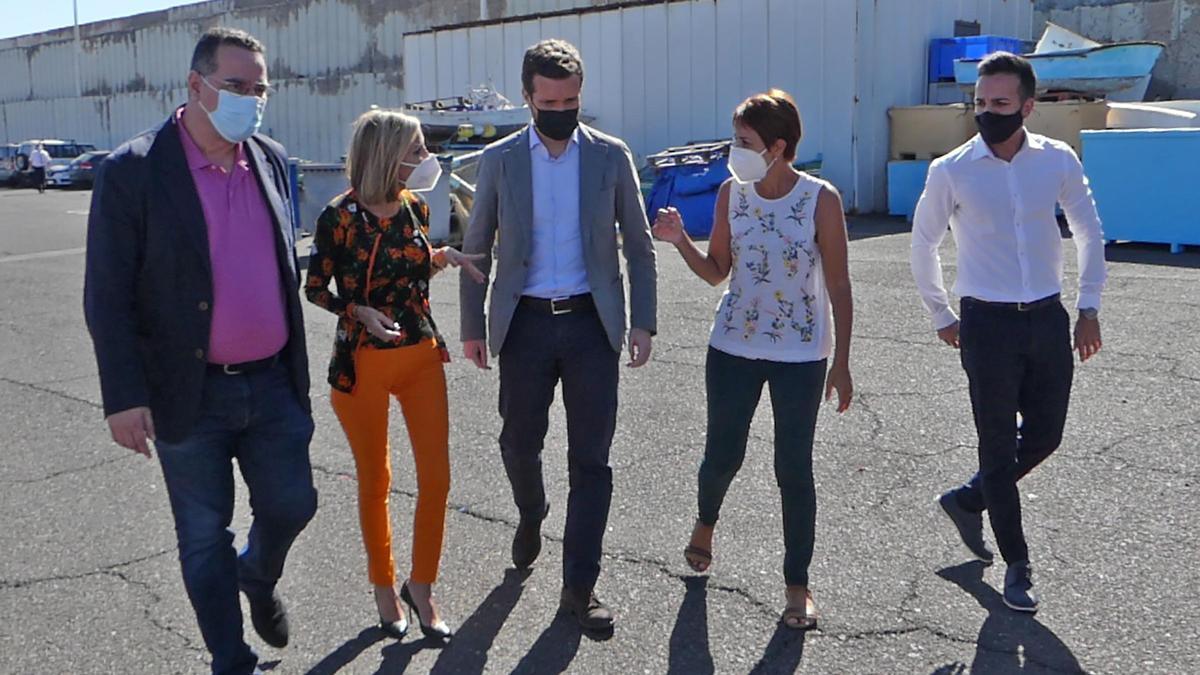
<point x="1173" y="22"/>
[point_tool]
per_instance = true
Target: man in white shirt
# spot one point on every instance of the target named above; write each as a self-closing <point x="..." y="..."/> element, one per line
<point x="998" y="193"/>
<point x="39" y="159"/>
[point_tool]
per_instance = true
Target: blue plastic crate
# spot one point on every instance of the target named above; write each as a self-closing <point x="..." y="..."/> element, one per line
<point x="943" y="52"/>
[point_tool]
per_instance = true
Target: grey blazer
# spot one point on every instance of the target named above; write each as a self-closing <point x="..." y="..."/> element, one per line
<point x="610" y="203"/>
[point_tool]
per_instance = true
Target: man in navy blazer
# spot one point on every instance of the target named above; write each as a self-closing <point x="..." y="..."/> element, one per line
<point x="191" y="297"/>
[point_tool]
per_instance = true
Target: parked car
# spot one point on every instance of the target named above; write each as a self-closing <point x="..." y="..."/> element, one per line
<point x="8" y="162"/>
<point x="61" y="153"/>
<point x="80" y="173"/>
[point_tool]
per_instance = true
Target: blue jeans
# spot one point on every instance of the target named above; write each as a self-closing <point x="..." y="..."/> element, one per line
<point x="257" y="419"/>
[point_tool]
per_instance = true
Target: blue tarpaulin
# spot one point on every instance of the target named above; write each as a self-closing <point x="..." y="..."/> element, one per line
<point x="691" y="188"/>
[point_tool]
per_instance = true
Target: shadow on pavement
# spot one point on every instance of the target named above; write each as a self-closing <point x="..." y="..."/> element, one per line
<point x="398" y="655"/>
<point x="1152" y="254"/>
<point x="1009" y="642"/>
<point x="554" y="650"/>
<point x="468" y="652"/>
<point x="690" y="653"/>
<point x="871" y="226"/>
<point x="783" y="653"/>
<point x="348" y="652"/>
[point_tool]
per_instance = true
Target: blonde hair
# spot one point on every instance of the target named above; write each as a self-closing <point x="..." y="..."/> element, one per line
<point x="380" y="142"/>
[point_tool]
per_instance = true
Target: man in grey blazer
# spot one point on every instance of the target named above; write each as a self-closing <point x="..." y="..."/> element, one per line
<point x="562" y="198"/>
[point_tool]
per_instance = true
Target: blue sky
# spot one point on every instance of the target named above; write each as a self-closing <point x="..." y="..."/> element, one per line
<point x="18" y="17"/>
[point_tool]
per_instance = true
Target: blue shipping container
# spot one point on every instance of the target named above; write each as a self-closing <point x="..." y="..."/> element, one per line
<point x="943" y="51"/>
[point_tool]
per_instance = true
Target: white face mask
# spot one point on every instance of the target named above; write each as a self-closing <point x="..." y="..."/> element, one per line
<point x="425" y="174"/>
<point x="237" y="116"/>
<point x="748" y="166"/>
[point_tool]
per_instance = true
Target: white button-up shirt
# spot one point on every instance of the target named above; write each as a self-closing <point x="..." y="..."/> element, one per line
<point x="556" y="264"/>
<point x="39" y="159"/>
<point x="1002" y="216"/>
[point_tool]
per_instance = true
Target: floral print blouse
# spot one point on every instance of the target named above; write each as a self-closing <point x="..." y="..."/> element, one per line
<point x="354" y="248"/>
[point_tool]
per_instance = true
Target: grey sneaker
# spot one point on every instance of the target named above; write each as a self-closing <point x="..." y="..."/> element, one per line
<point x="1018" y="588"/>
<point x="969" y="526"/>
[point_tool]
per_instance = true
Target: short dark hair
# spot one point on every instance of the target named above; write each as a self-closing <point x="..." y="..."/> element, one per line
<point x="555" y="59"/>
<point x="204" y="58"/>
<point x="772" y="115"/>
<point x="998" y="63"/>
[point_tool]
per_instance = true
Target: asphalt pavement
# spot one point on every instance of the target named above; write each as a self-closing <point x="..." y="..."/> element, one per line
<point x="89" y="580"/>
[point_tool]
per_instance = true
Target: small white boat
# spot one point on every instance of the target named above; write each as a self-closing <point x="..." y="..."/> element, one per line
<point x="482" y="115"/>
<point x="1070" y="63"/>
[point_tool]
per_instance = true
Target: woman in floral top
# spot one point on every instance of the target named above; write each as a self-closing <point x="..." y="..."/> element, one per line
<point x="779" y="236"/>
<point x="372" y="242"/>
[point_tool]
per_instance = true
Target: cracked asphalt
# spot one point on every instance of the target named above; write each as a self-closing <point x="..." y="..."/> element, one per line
<point x="89" y="581"/>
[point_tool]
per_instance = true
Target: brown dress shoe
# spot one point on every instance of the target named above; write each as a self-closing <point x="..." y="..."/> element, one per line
<point x="587" y="609"/>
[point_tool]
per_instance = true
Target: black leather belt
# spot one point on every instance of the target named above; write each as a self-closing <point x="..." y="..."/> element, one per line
<point x="243" y="368"/>
<point x="557" y="306"/>
<point x="1018" y="306"/>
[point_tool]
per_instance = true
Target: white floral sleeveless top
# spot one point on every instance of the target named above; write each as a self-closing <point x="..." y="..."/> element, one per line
<point x="776" y="307"/>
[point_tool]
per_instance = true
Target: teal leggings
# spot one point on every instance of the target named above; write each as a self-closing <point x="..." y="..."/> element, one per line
<point x="734" y="386"/>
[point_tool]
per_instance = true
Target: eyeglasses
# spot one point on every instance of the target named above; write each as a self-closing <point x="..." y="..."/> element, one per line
<point x="234" y="85"/>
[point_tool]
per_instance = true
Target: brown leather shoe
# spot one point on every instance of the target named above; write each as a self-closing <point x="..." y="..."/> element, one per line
<point x="587" y="609"/>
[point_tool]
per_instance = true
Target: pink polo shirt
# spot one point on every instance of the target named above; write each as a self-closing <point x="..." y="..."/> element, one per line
<point x="249" y="314"/>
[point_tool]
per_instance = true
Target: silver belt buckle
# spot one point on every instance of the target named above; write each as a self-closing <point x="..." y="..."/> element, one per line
<point x="554" y="310"/>
<point x="1028" y="306"/>
<point x="230" y="370"/>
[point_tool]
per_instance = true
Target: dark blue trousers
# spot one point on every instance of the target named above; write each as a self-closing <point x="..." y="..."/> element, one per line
<point x="1016" y="362"/>
<point x="540" y="351"/>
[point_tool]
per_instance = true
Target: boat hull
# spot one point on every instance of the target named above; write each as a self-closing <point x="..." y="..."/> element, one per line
<point x="1108" y="70"/>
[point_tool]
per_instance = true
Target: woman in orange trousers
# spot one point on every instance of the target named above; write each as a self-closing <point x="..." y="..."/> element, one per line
<point x="372" y="242"/>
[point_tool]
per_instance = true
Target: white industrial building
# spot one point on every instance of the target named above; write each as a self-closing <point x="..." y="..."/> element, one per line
<point x="657" y="72"/>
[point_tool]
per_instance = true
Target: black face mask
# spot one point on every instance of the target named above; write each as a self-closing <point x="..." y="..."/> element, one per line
<point x="557" y="124"/>
<point x="998" y="128"/>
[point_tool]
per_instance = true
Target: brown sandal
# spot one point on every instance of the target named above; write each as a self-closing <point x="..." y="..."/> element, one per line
<point x="698" y="559"/>
<point x="801" y="618"/>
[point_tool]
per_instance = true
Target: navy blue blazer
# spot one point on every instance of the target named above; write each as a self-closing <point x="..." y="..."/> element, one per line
<point x="148" y="285"/>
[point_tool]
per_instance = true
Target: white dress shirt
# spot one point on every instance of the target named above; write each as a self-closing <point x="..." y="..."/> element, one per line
<point x="39" y="159"/>
<point x="556" y="264"/>
<point x="1002" y="215"/>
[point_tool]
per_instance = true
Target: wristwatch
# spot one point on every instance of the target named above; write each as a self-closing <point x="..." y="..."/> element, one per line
<point x="1089" y="313"/>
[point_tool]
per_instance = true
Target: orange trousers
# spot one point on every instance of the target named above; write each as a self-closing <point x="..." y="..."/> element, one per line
<point x="414" y="375"/>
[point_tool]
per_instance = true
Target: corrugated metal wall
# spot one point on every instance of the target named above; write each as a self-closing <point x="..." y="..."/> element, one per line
<point x="657" y="74"/>
<point x="329" y="59"/>
<point x="892" y="55"/>
<point x="668" y="73"/>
